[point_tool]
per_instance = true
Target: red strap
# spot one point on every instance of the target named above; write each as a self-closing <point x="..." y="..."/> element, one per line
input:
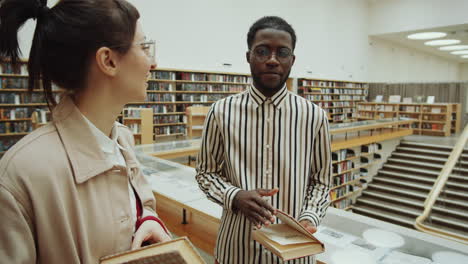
<point x="140" y="220"/>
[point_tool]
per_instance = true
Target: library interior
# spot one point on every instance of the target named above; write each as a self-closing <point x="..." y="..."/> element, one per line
<point x="343" y="120"/>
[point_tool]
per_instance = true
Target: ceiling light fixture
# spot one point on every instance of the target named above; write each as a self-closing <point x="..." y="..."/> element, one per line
<point x="442" y="42"/>
<point x="459" y="52"/>
<point x="427" y="35"/>
<point x="455" y="47"/>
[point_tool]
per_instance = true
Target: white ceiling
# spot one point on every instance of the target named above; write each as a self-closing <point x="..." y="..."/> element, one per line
<point x="459" y="32"/>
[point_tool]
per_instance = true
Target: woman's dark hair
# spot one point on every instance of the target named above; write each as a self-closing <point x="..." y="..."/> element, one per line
<point x="272" y="22"/>
<point x="66" y="37"/>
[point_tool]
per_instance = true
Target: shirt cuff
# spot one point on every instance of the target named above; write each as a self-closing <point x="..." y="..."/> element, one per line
<point x="140" y="221"/>
<point x="311" y="217"/>
<point x="229" y="196"/>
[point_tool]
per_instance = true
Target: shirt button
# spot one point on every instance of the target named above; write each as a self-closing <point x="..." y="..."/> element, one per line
<point x="267" y="146"/>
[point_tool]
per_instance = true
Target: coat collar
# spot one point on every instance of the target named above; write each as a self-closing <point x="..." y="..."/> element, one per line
<point x="81" y="145"/>
<point x="277" y="99"/>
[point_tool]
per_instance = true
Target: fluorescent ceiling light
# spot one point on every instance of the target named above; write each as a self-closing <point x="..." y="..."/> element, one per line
<point x="459" y="52"/>
<point x="455" y="47"/>
<point x="465" y="56"/>
<point x="427" y="35"/>
<point x="441" y="42"/>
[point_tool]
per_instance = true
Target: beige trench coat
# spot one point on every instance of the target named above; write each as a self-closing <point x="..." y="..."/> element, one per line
<point x="61" y="201"/>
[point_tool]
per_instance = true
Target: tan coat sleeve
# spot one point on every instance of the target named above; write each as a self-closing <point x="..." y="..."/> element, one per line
<point x="16" y="233"/>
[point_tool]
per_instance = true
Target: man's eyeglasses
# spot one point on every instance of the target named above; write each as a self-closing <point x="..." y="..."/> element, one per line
<point x="263" y="53"/>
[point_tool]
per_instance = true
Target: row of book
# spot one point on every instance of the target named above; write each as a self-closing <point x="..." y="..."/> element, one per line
<point x="371" y="148"/>
<point x="132" y="112"/>
<point x="336" y="91"/>
<point x="134" y="127"/>
<point x="342" y="204"/>
<point x="186" y="76"/>
<point x="7" y="143"/>
<point x="335" y="104"/>
<point x="8" y="68"/>
<point x="20" y="83"/>
<point x="15" y="127"/>
<point x="169" y="119"/>
<point x="342" y="191"/>
<point x="320" y="83"/>
<point x="319" y="97"/>
<point x="346" y="177"/>
<point x="204" y="77"/>
<point x="195" y="87"/>
<point x="343" y="154"/>
<point x="342" y="166"/>
<point x="169" y="130"/>
<point x="340" y="110"/>
<point x="437" y="127"/>
<point x="193" y="98"/>
<point x="16" y="113"/>
<point x="164" y="108"/>
<point x="21" y="98"/>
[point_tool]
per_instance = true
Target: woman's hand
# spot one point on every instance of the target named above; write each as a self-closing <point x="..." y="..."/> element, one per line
<point x="150" y="231"/>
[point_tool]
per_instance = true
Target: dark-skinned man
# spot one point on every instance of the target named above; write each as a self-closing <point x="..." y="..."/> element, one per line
<point x="265" y="149"/>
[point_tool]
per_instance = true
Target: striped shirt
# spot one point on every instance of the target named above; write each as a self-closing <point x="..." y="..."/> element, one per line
<point x="254" y="142"/>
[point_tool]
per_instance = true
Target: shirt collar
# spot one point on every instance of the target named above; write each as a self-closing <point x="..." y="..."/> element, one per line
<point x="106" y="144"/>
<point x="259" y="98"/>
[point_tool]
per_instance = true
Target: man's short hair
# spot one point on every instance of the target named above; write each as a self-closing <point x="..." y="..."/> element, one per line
<point x="273" y="22"/>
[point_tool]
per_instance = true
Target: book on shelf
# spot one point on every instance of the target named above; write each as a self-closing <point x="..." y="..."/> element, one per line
<point x="394" y="99"/>
<point x="407" y="100"/>
<point x="177" y="251"/>
<point x="288" y="240"/>
<point x="430" y="99"/>
<point x="436" y="110"/>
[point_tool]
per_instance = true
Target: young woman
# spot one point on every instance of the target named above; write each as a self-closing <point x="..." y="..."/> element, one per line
<point x="72" y="191"/>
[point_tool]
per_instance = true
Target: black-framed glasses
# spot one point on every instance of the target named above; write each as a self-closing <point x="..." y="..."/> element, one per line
<point x="263" y="53"/>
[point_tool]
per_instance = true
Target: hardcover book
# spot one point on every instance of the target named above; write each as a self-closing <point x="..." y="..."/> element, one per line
<point x="288" y="240"/>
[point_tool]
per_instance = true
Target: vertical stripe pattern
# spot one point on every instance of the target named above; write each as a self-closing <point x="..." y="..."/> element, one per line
<point x="254" y="142"/>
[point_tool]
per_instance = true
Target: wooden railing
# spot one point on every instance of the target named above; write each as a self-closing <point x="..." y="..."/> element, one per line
<point x="439" y="185"/>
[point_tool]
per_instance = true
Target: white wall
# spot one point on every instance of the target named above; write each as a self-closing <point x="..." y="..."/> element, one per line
<point x="463" y="72"/>
<point x="332" y="36"/>
<point x="206" y="33"/>
<point x="390" y="62"/>
<point x="388" y="16"/>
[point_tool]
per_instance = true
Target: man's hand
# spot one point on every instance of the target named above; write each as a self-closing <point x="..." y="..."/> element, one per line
<point x="150" y="231"/>
<point x="309" y="226"/>
<point x="252" y="205"/>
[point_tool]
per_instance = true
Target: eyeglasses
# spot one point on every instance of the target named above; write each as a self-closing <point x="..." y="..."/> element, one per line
<point x="263" y="53"/>
<point x="148" y="46"/>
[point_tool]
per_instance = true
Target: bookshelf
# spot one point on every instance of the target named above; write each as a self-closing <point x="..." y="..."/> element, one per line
<point x="338" y="98"/>
<point x="17" y="105"/>
<point x="195" y="120"/>
<point x="439" y="119"/>
<point x="140" y="122"/>
<point x="350" y="167"/>
<point x="171" y="91"/>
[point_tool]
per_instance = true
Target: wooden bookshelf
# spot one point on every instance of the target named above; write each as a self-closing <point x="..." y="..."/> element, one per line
<point x="195" y="120"/>
<point x="337" y="98"/>
<point x="439" y="119"/>
<point x="348" y="169"/>
<point x="140" y="122"/>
